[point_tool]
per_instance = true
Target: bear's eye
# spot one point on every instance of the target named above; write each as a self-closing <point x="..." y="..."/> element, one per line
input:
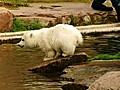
<point x="22" y="40"/>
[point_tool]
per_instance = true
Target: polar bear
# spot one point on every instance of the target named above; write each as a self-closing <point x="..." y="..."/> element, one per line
<point x="59" y="40"/>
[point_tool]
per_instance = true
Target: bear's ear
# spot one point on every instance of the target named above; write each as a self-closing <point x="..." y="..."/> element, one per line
<point x="31" y="35"/>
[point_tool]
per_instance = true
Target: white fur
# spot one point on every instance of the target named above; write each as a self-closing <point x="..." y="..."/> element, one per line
<point x="61" y="39"/>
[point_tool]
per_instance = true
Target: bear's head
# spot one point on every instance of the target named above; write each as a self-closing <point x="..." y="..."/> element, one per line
<point x="27" y="40"/>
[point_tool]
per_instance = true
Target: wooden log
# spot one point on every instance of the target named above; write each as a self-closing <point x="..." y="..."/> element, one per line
<point x="58" y="65"/>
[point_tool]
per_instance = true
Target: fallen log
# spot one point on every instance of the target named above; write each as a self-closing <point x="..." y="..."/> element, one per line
<point x="58" y="65"/>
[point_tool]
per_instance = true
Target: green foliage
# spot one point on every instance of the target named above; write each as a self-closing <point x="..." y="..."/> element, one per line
<point x="73" y="19"/>
<point x="20" y="25"/>
<point x="16" y="3"/>
<point x="25" y="4"/>
<point x="106" y="57"/>
<point x="33" y="25"/>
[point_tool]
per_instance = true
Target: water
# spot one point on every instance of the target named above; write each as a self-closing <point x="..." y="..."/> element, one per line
<point x="14" y="74"/>
<point x="15" y="62"/>
<point x="102" y="44"/>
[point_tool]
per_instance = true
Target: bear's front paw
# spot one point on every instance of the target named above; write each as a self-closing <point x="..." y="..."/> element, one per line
<point x="46" y="59"/>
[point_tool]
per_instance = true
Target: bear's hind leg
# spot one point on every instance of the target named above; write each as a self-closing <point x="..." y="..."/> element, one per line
<point x="49" y="55"/>
<point x="68" y="51"/>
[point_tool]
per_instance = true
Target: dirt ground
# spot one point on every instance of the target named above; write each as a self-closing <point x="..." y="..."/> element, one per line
<point x="53" y="8"/>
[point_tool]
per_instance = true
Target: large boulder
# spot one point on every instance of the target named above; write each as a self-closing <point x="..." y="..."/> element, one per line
<point x="109" y="81"/>
<point x="6" y="20"/>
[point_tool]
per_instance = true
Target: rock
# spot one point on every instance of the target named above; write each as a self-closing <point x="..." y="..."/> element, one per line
<point x="58" y="65"/>
<point x="77" y="14"/>
<point x="6" y="20"/>
<point x="109" y="81"/>
<point x="74" y="86"/>
<point x="11" y="40"/>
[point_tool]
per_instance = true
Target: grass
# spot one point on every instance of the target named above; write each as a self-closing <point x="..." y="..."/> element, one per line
<point x="107" y="57"/>
<point x="15" y="3"/>
<point x="20" y="25"/>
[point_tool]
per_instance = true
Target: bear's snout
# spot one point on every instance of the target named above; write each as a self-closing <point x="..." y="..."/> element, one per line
<point x="21" y="45"/>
